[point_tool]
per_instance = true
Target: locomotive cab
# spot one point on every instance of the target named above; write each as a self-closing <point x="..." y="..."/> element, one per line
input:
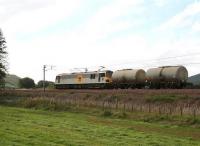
<point x="108" y="76"/>
<point x="105" y="76"/>
<point x="57" y="79"/>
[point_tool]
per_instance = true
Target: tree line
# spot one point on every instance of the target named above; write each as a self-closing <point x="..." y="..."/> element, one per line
<point x="30" y="83"/>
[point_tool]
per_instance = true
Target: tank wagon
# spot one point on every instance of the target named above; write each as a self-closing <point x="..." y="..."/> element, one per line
<point x="128" y="78"/>
<point x="167" y="77"/>
<point x="96" y="79"/>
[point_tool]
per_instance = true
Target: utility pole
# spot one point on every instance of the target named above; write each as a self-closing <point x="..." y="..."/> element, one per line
<point x="44" y="73"/>
<point x="44" y="70"/>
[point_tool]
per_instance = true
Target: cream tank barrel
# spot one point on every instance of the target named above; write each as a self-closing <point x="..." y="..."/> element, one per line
<point x="128" y="75"/>
<point x="168" y="73"/>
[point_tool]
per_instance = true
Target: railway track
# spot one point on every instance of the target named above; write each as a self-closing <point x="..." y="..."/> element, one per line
<point x="133" y="92"/>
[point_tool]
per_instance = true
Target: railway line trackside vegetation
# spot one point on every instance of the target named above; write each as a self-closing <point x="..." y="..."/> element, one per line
<point x="149" y="104"/>
<point x="162" y="102"/>
<point x="166" y="98"/>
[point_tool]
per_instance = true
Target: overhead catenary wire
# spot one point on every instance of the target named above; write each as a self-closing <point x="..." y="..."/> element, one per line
<point x="185" y="60"/>
<point x="157" y="59"/>
<point x="148" y="63"/>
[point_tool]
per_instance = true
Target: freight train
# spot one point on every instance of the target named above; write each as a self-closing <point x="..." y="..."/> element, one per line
<point x="161" y="77"/>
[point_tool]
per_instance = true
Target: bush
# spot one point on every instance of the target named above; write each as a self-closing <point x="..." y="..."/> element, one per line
<point x="165" y="98"/>
<point x="26" y="83"/>
<point x="48" y="84"/>
<point x="45" y="103"/>
<point x="121" y="115"/>
<point x="107" y="113"/>
<point x="156" y="118"/>
<point x="192" y="121"/>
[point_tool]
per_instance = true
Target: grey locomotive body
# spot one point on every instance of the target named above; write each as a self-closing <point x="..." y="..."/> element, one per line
<point x="100" y="79"/>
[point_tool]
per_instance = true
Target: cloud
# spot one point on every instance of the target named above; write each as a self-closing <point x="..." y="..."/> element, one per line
<point x="26" y="57"/>
<point x="73" y="49"/>
<point x="160" y="3"/>
<point x="11" y="8"/>
<point x="109" y="35"/>
<point x="186" y="48"/>
<point x="183" y="18"/>
<point x="107" y="19"/>
<point x="40" y="15"/>
<point x="196" y="27"/>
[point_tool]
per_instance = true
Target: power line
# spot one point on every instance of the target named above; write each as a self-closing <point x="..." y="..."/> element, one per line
<point x="194" y="63"/>
<point x="151" y="62"/>
<point x="186" y="64"/>
<point x="158" y="59"/>
<point x="174" y="57"/>
<point x="180" y="56"/>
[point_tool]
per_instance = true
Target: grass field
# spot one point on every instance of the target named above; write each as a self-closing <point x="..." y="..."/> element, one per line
<point x="20" y="126"/>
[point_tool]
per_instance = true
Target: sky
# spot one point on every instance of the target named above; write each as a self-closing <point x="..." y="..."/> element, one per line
<point x="117" y="34"/>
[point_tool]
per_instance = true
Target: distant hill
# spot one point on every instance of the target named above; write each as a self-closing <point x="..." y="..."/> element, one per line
<point x="12" y="81"/>
<point x="194" y="79"/>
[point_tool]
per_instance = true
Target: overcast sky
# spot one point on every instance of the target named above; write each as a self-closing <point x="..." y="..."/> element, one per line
<point x="89" y="33"/>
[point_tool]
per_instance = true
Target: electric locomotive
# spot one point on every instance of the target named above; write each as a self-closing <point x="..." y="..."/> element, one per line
<point x="83" y="80"/>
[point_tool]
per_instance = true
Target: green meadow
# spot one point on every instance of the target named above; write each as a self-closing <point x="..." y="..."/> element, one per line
<point x="30" y="127"/>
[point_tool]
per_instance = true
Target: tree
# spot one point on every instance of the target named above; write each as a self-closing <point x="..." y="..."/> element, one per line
<point x="48" y="84"/>
<point x="3" y="55"/>
<point x="26" y="83"/>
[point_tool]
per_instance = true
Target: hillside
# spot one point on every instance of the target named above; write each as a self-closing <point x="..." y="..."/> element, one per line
<point x="194" y="79"/>
<point x="12" y="81"/>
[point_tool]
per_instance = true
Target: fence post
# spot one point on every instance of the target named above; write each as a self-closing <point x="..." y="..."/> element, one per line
<point x="181" y="109"/>
<point x="103" y="105"/>
<point x="124" y="106"/>
<point x="159" y="110"/>
<point x="194" y="113"/>
<point x="116" y="104"/>
<point x="132" y="106"/>
<point x="109" y="103"/>
<point x="149" y="108"/>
